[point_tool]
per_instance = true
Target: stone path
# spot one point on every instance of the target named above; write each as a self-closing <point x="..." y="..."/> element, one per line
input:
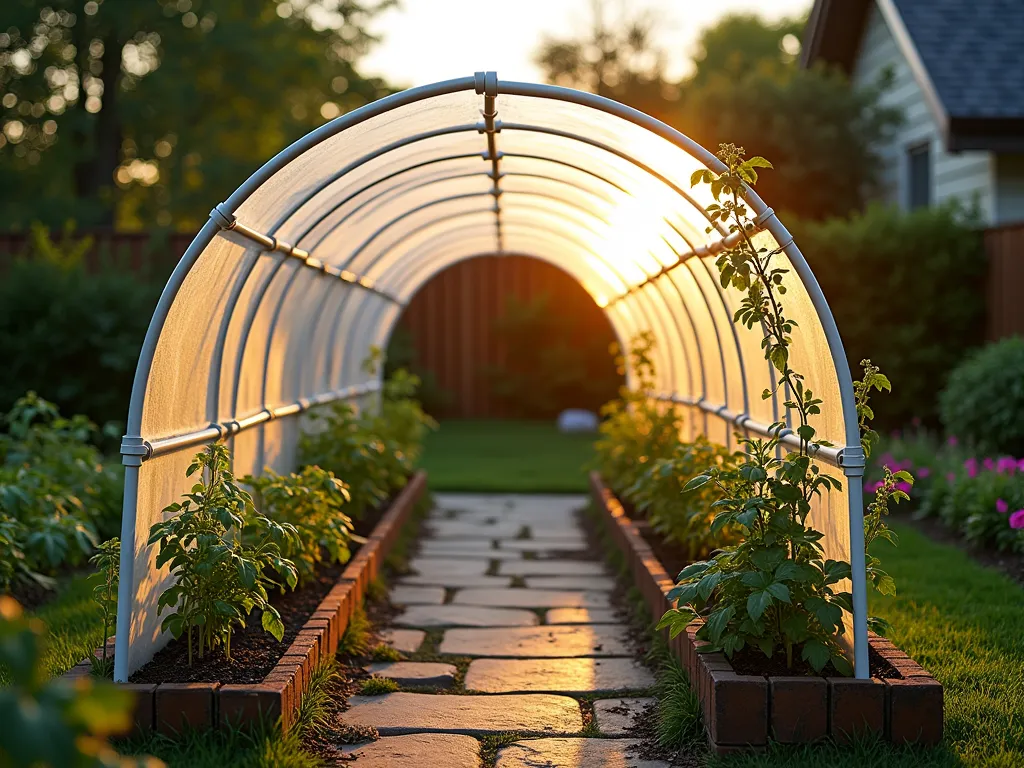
<point x="508" y="615"/>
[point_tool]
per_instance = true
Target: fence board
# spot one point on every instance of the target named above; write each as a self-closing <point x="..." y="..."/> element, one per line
<point x="1005" y="286"/>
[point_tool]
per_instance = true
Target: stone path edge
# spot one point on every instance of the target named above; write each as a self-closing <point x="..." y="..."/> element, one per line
<point x="742" y="712"/>
<point x="168" y="707"/>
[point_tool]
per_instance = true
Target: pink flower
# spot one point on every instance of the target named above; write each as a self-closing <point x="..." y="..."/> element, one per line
<point x="869" y="487"/>
<point x="923" y="472"/>
<point x="1017" y="519"/>
<point x="971" y="465"/>
<point x="1006" y="465"/>
<point x="988" y="464"/>
<point x="904" y="486"/>
<point x="952" y="441"/>
<point x="951" y="477"/>
<point x="1002" y="507"/>
<point x="1020" y="465"/>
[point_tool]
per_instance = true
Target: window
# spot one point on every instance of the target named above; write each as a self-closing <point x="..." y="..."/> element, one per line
<point x="919" y="176"/>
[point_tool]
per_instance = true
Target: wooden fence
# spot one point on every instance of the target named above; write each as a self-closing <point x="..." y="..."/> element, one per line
<point x="1005" y="286"/>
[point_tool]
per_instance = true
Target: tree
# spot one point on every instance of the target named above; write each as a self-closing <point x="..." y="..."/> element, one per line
<point x="617" y="59"/>
<point x="746" y="89"/>
<point x="135" y="112"/>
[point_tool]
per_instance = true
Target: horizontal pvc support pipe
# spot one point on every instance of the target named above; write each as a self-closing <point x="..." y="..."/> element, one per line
<point x="717" y="246"/>
<point x="135" y="450"/>
<point x="824" y="453"/>
<point x="232" y="224"/>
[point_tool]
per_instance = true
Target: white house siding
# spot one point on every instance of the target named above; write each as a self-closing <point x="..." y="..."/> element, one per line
<point x="1009" y="189"/>
<point x="968" y="176"/>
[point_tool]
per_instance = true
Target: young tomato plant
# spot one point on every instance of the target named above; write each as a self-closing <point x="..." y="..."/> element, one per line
<point x="219" y="578"/>
<point x="774" y="590"/>
<point x="313" y="501"/>
<point x="104" y="592"/>
<point x="684" y="519"/>
<point x="637" y="429"/>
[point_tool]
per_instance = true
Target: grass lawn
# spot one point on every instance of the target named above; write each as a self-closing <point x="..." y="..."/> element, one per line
<point x="73" y="625"/>
<point x="965" y="624"/>
<point x="512" y="456"/>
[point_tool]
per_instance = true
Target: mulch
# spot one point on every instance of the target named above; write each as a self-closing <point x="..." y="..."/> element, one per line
<point x="750" y="661"/>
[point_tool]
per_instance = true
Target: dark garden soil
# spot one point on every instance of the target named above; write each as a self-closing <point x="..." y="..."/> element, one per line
<point x="750" y="661"/>
<point x="673" y="558"/>
<point x="254" y="652"/>
<point x="644" y="728"/>
<point x="1010" y="563"/>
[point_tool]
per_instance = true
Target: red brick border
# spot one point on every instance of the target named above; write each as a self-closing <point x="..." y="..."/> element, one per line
<point x="169" y="707"/>
<point x="742" y="712"/>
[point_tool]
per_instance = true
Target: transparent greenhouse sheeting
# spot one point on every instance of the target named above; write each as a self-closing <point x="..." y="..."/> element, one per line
<point x="308" y="265"/>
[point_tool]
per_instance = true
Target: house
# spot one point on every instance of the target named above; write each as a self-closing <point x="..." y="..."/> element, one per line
<point x="957" y="69"/>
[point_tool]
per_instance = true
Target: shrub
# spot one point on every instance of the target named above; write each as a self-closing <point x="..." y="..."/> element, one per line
<point x="983" y="402"/>
<point x="556" y="359"/>
<point x="57" y="497"/>
<point x="72" y="334"/>
<point x="218" y="577"/>
<point x="312" y="501"/>
<point x="906" y="290"/>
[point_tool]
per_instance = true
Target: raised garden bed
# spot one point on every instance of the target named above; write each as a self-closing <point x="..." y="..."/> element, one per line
<point x="170" y="707"/>
<point x="902" y="702"/>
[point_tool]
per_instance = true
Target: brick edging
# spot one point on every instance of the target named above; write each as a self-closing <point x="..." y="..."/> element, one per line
<point x="742" y="712"/>
<point x="170" y="707"/>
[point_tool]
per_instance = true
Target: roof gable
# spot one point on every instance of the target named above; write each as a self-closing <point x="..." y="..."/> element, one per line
<point x="967" y="56"/>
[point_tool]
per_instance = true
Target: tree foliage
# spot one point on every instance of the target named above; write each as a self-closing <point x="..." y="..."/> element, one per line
<point x="139" y="112"/>
<point x="748" y="88"/>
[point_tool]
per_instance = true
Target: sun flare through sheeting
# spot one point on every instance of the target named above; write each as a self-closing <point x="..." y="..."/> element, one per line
<point x="308" y="265"/>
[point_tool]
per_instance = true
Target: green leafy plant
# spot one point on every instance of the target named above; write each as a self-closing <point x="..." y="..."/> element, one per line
<point x="684" y="519"/>
<point x="983" y="402"/>
<point x="637" y="429"/>
<point x="773" y="590"/>
<point x="55" y="722"/>
<point x="219" y="578"/>
<point x="374" y="451"/>
<point x="313" y="502"/>
<point x="107" y="561"/>
<point x="57" y="496"/>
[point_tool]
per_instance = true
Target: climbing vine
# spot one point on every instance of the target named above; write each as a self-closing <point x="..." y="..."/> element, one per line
<point x="774" y="589"/>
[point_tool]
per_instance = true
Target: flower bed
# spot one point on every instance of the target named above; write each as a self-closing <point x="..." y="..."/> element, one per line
<point x="901" y="702"/>
<point x="168" y="707"/>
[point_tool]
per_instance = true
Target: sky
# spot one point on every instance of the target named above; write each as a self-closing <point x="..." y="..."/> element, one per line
<point x="429" y="40"/>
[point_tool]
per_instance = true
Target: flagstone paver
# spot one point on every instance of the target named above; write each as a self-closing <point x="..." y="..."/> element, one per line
<point x="615" y="716"/>
<point x="580" y="616"/>
<point x="533" y="598"/>
<point x="573" y="676"/>
<point x="446" y="567"/>
<point x="465" y="616"/>
<point x="551" y="568"/>
<point x="456" y="529"/>
<point x="456" y="581"/>
<point x="404" y="640"/>
<point x="538" y="629"/>
<point x="410" y="673"/>
<point x="544" y="547"/>
<point x="592" y="583"/>
<point x="398" y="713"/>
<point x="538" y="642"/>
<point x="574" y="753"/>
<point x="406" y="595"/>
<point x="418" y="750"/>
